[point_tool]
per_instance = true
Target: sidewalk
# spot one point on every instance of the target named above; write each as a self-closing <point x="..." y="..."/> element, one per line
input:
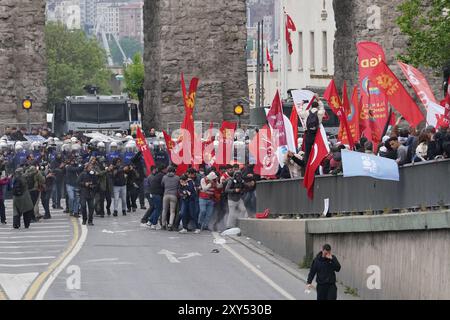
<point x="285" y="264"/>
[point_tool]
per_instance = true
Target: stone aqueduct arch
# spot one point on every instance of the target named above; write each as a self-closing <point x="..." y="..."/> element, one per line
<point x="204" y="38"/>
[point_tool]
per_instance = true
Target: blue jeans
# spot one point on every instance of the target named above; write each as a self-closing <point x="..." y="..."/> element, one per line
<point x="157" y="209"/>
<point x="188" y="213"/>
<point x="206" y="211"/>
<point x="73" y="199"/>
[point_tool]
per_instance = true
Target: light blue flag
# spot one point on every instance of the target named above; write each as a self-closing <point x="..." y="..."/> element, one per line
<point x="356" y="164"/>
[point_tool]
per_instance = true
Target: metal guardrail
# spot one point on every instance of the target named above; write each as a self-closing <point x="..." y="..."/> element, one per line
<point x="422" y="185"/>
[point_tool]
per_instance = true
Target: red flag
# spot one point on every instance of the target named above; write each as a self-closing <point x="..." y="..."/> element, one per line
<point x="347" y="129"/>
<point x="142" y="145"/>
<point x="261" y="148"/>
<point x="396" y="94"/>
<point x="169" y="143"/>
<point x="189" y="99"/>
<point x="332" y="96"/>
<point x="319" y="151"/>
<point x="269" y="60"/>
<point x="276" y="120"/>
<point x="294" y="122"/>
<point x="290" y="25"/>
<point x="374" y="105"/>
<point x="419" y="84"/>
<point x="226" y="140"/>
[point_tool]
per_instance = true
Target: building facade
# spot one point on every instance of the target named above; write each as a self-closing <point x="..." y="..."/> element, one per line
<point x="67" y="12"/>
<point x="131" y="21"/>
<point x="311" y="64"/>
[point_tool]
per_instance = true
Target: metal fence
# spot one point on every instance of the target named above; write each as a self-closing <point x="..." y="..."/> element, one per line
<point x="421" y="185"/>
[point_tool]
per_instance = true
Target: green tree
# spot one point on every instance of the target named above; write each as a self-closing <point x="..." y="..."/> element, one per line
<point x="427" y="23"/>
<point x="74" y="61"/>
<point x="129" y="46"/>
<point x="134" y="76"/>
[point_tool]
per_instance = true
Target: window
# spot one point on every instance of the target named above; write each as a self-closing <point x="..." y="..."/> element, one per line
<point x="312" y="52"/>
<point x="300" y="51"/>
<point x="324" y="51"/>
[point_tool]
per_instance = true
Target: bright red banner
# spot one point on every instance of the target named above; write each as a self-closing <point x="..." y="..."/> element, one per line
<point x="374" y="106"/>
<point x="276" y="120"/>
<point x="269" y="60"/>
<point x="142" y="146"/>
<point x="396" y="94"/>
<point x="352" y="118"/>
<point x="294" y="122"/>
<point x="261" y="148"/>
<point x="419" y="84"/>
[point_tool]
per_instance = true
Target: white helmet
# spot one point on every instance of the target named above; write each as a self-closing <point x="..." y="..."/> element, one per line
<point x="3" y="145"/>
<point x="76" y="147"/>
<point x="129" y="138"/>
<point x="66" y="147"/>
<point x="113" y="145"/>
<point x="56" y="139"/>
<point x="118" y="135"/>
<point x="4" y="138"/>
<point x="18" y="147"/>
<point x="74" y="140"/>
<point x="35" y="145"/>
<point x="101" y="145"/>
<point x="50" y="140"/>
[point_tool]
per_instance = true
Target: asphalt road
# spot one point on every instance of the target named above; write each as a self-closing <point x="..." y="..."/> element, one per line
<point x="119" y="259"/>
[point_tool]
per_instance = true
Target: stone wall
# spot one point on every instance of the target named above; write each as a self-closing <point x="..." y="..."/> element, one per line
<point x="22" y="57"/>
<point x="354" y="20"/>
<point x="203" y="38"/>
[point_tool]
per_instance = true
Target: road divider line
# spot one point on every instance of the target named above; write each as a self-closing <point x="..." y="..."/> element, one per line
<point x="255" y="270"/>
<point x="39" y="287"/>
<point x="23" y="265"/>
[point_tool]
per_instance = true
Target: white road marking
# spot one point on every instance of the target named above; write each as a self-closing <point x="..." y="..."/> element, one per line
<point x="48" y="236"/>
<point x="255" y="270"/>
<point x="101" y="260"/>
<point x="32" y="241"/>
<point x="63" y="265"/>
<point x="23" y="265"/>
<point x="27" y="258"/>
<point x="43" y="226"/>
<point x="34" y="232"/>
<point x="190" y="255"/>
<point x="34" y="247"/>
<point x="29" y="252"/>
<point x="169" y="255"/>
<point x="15" y="285"/>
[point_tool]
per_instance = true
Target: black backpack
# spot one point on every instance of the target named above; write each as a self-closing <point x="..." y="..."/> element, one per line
<point x="18" y="188"/>
<point x="312" y="123"/>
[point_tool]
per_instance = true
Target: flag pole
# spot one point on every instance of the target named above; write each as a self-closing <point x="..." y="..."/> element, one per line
<point x="283" y="51"/>
<point x="262" y="64"/>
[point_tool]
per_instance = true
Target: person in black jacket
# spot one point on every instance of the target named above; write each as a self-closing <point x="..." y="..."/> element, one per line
<point x="120" y="187"/>
<point x="156" y="193"/>
<point x="324" y="266"/>
<point x="88" y="184"/>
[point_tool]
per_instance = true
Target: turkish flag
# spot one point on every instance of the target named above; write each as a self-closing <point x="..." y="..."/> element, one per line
<point x="226" y="141"/>
<point x="319" y="152"/>
<point x="396" y="94"/>
<point x="294" y="122"/>
<point x="290" y="25"/>
<point x="269" y="60"/>
<point x="142" y="145"/>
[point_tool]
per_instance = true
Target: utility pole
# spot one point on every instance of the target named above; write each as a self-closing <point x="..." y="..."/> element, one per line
<point x="262" y="64"/>
<point x="258" y="70"/>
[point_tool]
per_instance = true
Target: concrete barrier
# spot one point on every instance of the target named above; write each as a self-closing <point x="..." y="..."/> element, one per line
<point x="421" y="185"/>
<point x="411" y="251"/>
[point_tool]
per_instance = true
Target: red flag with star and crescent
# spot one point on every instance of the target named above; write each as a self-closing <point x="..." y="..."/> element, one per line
<point x="142" y="146"/>
<point x="319" y="151"/>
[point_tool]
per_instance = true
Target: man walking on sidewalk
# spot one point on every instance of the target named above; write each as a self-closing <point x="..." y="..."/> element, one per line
<point x="324" y="266"/>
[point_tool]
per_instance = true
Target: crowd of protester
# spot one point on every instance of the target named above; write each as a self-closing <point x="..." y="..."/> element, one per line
<point x="107" y="179"/>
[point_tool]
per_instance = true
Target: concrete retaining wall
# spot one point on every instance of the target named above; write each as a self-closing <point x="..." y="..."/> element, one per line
<point x="411" y="250"/>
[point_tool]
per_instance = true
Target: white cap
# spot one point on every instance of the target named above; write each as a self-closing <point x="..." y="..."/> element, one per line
<point x="212" y="176"/>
